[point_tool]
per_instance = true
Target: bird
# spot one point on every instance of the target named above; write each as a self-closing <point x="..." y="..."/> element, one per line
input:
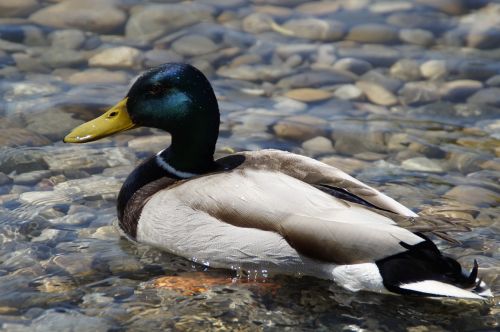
<point x="266" y="210"/>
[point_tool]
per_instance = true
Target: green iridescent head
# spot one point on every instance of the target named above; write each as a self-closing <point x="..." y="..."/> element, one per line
<point x="174" y="97"/>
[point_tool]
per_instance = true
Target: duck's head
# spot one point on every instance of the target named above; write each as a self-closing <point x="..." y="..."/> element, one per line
<point x="174" y="97"/>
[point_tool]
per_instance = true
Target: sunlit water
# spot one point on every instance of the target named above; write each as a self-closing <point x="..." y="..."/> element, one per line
<point x="405" y="97"/>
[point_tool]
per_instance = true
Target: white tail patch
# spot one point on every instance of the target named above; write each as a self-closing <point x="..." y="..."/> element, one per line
<point x="434" y="287"/>
<point x="355" y="277"/>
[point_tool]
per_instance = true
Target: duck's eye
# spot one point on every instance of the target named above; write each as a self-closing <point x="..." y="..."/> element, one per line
<point x="157" y="89"/>
<point x="112" y="114"/>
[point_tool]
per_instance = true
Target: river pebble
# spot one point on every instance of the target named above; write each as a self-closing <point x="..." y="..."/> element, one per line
<point x="373" y="33"/>
<point x="459" y="90"/>
<point x="194" y="45"/>
<point x="353" y="65"/>
<point x="419" y="37"/>
<point x="434" y="69"/>
<point x="117" y="57"/>
<point x="308" y="95"/>
<point x="377" y="93"/>
<point x="489" y="96"/>
<point x="312" y="28"/>
<point x="76" y="14"/>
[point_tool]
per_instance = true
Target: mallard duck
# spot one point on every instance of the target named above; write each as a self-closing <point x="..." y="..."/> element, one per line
<point x="264" y="210"/>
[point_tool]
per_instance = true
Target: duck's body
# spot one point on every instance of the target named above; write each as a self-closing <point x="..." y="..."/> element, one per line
<point x="265" y="210"/>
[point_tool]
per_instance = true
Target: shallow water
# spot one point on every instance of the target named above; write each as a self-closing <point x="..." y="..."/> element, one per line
<point x="404" y="95"/>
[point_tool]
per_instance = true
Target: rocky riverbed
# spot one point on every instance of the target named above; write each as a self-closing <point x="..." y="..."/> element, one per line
<point x="404" y="95"/>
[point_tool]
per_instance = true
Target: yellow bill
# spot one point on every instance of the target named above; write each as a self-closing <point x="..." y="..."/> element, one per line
<point x="113" y="121"/>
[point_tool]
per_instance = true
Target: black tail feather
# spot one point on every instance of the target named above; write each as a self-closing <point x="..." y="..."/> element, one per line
<point x="422" y="262"/>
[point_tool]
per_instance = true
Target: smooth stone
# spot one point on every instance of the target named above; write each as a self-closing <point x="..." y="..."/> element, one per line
<point x="452" y="7"/>
<point x="373" y="33"/>
<point x="56" y="284"/>
<point x="390" y="83"/>
<point x="48" y="235"/>
<point x="478" y="70"/>
<point x="20" y="137"/>
<point x="68" y="320"/>
<point x="257" y="23"/>
<point x="318" y="144"/>
<point x="315" y="79"/>
<point x="353" y="138"/>
<point x="315" y="29"/>
<point x="71" y="39"/>
<point x="63" y="57"/>
<point x="288" y="105"/>
<point x="28" y="89"/>
<point x="149" y="22"/>
<point x="376" y="54"/>
<point x="386" y="7"/>
<point x="348" y="92"/>
<point x="356" y="66"/>
<point x="299" y="128"/>
<point x="98" y="76"/>
<point x="82" y="15"/>
<point x="416" y="93"/>
<point x="253" y="73"/>
<point x="488" y="96"/>
<point x="194" y="45"/>
<point x="485" y="30"/>
<point x="94" y="186"/>
<point x="30" y="64"/>
<point x="117" y="57"/>
<point x="494" y="81"/>
<point x="422" y="164"/>
<point x="459" y="90"/>
<point x="475" y="196"/>
<point x="419" y="37"/>
<point x="31" y="178"/>
<point x="155" y="142"/>
<point x="377" y="93"/>
<point x="53" y="123"/>
<point x="5" y="179"/>
<point x="156" y="57"/>
<point x="320" y="8"/>
<point x="308" y="95"/>
<point x="21" y="160"/>
<point x="88" y="158"/>
<point x="17" y="8"/>
<point x="348" y="165"/>
<point x="406" y="70"/>
<point x="74" y="219"/>
<point x="106" y="233"/>
<point x="44" y="198"/>
<point x="434" y="69"/>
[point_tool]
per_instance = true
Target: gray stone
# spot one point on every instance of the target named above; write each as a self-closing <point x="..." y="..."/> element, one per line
<point x="478" y="69"/>
<point x="488" y="96"/>
<point x="20" y="137"/>
<point x="353" y="65"/>
<point x="452" y="7"/>
<point x="316" y="79"/>
<point x="434" y="69"/>
<point x="416" y="93"/>
<point x="406" y="69"/>
<point x="156" y="57"/>
<point x="484" y="28"/>
<point x="71" y="39"/>
<point x="377" y="55"/>
<point x="63" y="57"/>
<point x="377" y="93"/>
<point x="98" y="76"/>
<point x="386" y="7"/>
<point x="422" y="164"/>
<point x="320" y="8"/>
<point x="390" y="83"/>
<point x="416" y="36"/>
<point x="253" y="73"/>
<point x="28" y="63"/>
<point x="494" y="81"/>
<point x="300" y="128"/>
<point x="82" y="15"/>
<point x="31" y="89"/>
<point x="348" y="92"/>
<point x="117" y="57"/>
<point x="17" y="8"/>
<point x="472" y="195"/>
<point x="318" y="144"/>
<point x="315" y="29"/>
<point x="351" y="138"/>
<point x="459" y="90"/>
<point x="31" y="178"/>
<point x="373" y="33"/>
<point x="147" y="23"/>
<point x="194" y="45"/>
<point x="257" y="23"/>
<point x="67" y="320"/>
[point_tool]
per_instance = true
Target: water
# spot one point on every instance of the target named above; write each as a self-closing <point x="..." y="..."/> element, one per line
<point x="404" y="95"/>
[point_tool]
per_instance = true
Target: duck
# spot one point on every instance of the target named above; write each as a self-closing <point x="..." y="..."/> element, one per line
<point x="266" y="210"/>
